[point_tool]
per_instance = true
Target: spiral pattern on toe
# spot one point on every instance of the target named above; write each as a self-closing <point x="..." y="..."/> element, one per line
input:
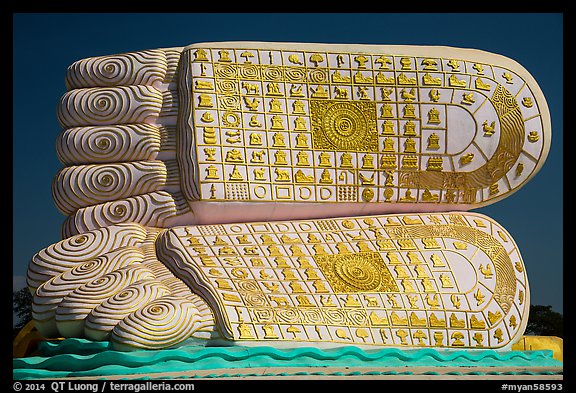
<point x="160" y="324"/>
<point x="76" y="306"/>
<point x="119" y="140"/>
<point x="109" y="313"/>
<point x="50" y="294"/>
<point x="140" y="68"/>
<point x="93" y="184"/>
<point x="131" y="142"/>
<point x="114" y="105"/>
<point x="78" y="249"/>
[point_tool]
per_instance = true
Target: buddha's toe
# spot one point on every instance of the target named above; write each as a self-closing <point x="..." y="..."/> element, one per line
<point x="108" y="284"/>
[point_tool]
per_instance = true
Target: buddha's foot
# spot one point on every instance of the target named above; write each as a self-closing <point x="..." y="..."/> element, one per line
<point x="445" y="280"/>
<point x="155" y="137"/>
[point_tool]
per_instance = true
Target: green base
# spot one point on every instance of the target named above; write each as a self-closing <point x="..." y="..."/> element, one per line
<point x="81" y="358"/>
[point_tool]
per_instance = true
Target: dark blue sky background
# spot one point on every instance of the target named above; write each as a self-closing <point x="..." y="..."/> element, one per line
<point x="45" y="44"/>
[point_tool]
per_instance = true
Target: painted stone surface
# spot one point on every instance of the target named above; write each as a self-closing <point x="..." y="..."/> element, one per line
<point x="274" y="193"/>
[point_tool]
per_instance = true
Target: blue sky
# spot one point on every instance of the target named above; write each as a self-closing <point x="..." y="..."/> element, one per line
<point x="45" y="44"/>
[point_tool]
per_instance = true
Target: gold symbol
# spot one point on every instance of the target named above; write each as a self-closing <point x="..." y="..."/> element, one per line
<point x="457" y="337"/>
<point x="481" y="85"/>
<point x="294" y="59"/>
<point x="429" y="64"/>
<point x="456" y="323"/>
<point x="494" y="317"/>
<point x="478" y="337"/>
<point x="302" y="159"/>
<point x="455" y="301"/>
<point x="245" y="332"/>
<point x="340" y="60"/>
<point x="340" y="333"/>
<point x="375" y="320"/>
<point x="519" y="267"/>
<point x="455" y="82"/>
<point x="468" y="99"/>
<point x="273" y="89"/>
<point x="420" y="335"/>
<point x="386" y="94"/>
<point x="429" y="80"/>
<point x="278" y="139"/>
<point x="300" y="125"/>
<point x="211" y="173"/>
<point x="234" y="155"/>
<point x="434" y="95"/>
<point x="367" y="194"/>
<point x="434" y="164"/>
<point x="408" y="96"/>
<point x="203" y="85"/>
<point x="316" y="58"/>
<point x="383" y="61"/>
<point x="498" y="335"/>
<point x="349" y="126"/>
<point x="296" y="91"/>
<point x="409" y="111"/>
<point x="508" y="77"/>
<point x="320" y="92"/>
<point x="405" y="80"/>
<point x="533" y="136"/>
<point x="341" y="93"/>
<point x="251" y="88"/>
<point x="446" y="282"/>
<point x="512" y="322"/>
<point x="433" y="140"/>
<point x="230" y="297"/>
<point x="251" y="105"/>
<point x="433" y="302"/>
<point x="277" y="123"/>
<point x="210" y="152"/>
<point x="247" y="56"/>
<point x="479" y="68"/>
<point x="486" y="271"/>
<point x="361" y="60"/>
<point x="275" y="106"/>
<point x="236" y="175"/>
<point x="466" y="158"/>
<point x="386" y="111"/>
<point x="519" y="169"/>
<point x="493" y="189"/>
<point x="433" y="116"/>
<point x="339" y="78"/>
<point x="205" y="101"/>
<point x="200" y="55"/>
<point x="294" y="330"/>
<point x="479" y="296"/>
<point x="460" y="246"/>
<point x="488" y="129"/>
<point x="209" y="135"/>
<point x="298" y="108"/>
<point x="207" y="117"/>
<point x="527" y="102"/>
<point x="436" y="322"/>
<point x="280" y="158"/>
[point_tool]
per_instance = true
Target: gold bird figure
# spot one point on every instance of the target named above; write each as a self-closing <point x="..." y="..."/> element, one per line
<point x="434" y="95"/>
<point x="486" y="271"/>
<point x="272" y="287"/>
<point x="408" y="97"/>
<point x="488" y="129"/>
<point x="432" y="301"/>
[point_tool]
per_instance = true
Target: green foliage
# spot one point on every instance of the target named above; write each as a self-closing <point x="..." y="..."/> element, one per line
<point x="543" y="321"/>
<point x="22" y="306"/>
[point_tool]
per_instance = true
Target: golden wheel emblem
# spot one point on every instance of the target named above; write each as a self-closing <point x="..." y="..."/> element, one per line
<point x="344" y="126"/>
<point x="356" y="272"/>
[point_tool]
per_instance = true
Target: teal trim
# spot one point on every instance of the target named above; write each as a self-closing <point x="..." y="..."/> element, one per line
<point x="83" y="358"/>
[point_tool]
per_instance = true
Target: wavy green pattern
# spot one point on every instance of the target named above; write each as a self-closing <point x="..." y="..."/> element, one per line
<point x="82" y="358"/>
